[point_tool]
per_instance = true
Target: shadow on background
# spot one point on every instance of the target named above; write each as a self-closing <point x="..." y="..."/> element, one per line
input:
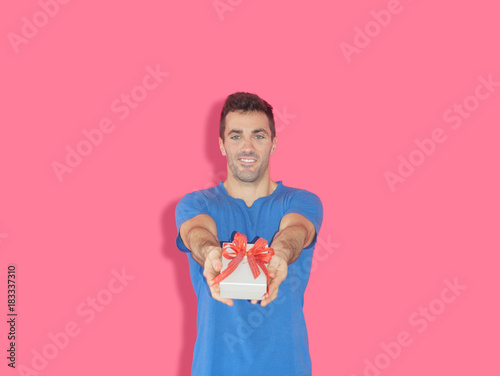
<point x="169" y="232"/>
<point x="183" y="285"/>
<point x="212" y="151"/>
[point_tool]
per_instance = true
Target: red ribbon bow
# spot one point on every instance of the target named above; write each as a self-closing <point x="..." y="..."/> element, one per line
<point x="258" y="255"/>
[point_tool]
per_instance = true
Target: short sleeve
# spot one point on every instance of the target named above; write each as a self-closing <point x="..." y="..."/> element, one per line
<point x="188" y="207"/>
<point x="309" y="205"/>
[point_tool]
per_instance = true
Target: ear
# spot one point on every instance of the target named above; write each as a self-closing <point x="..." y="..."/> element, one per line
<point x="221" y="147"/>
<point x="273" y="148"/>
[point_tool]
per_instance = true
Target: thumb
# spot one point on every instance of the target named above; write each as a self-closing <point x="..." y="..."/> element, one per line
<point x="272" y="267"/>
<point x="215" y="260"/>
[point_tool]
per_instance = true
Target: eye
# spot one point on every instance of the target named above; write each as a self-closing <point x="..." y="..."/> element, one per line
<point x="259" y="136"/>
<point x="235" y="137"/>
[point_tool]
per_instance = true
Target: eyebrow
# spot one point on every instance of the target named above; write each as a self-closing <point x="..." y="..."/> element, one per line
<point x="259" y="130"/>
<point x="239" y="131"/>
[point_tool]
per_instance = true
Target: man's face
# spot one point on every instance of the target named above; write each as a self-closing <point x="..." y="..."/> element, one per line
<point x="248" y="145"/>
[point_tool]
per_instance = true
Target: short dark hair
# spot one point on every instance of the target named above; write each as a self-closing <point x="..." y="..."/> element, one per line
<point x="246" y="102"/>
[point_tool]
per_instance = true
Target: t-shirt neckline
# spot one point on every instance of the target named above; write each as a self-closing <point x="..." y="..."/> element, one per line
<point x="223" y="189"/>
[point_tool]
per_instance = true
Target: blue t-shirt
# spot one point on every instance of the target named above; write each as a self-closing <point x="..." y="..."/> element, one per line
<point x="248" y="339"/>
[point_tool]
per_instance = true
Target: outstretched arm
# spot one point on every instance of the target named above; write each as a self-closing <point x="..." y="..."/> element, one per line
<point x="296" y="232"/>
<point x="199" y="235"/>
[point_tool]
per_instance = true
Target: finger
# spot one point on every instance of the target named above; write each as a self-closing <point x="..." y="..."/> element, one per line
<point x="272" y="267"/>
<point x="279" y="276"/>
<point x="209" y="273"/>
<point x="211" y="284"/>
<point x="216" y="287"/>
<point x="216" y="261"/>
<point x="274" y="287"/>
<point x="273" y="290"/>
<point x="272" y="295"/>
<point x="254" y="301"/>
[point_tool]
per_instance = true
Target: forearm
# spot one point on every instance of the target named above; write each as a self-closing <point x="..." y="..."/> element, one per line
<point x="290" y="241"/>
<point x="200" y="241"/>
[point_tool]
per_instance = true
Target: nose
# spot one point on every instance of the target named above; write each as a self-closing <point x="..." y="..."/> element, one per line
<point x="248" y="145"/>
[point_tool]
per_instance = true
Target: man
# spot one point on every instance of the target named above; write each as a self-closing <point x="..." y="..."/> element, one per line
<point x="242" y="337"/>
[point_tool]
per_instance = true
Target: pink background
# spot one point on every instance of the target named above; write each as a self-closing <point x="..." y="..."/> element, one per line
<point x="345" y="122"/>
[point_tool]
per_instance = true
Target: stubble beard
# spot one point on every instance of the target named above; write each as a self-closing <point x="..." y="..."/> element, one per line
<point x="245" y="175"/>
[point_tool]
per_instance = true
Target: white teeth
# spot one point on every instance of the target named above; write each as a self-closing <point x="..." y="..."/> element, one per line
<point x="248" y="160"/>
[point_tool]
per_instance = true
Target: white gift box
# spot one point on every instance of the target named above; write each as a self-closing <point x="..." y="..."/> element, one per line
<point x="241" y="284"/>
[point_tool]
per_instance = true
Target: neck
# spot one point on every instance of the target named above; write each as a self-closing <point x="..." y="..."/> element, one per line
<point x="249" y="192"/>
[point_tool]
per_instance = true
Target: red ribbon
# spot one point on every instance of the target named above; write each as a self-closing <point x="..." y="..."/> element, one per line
<point x="258" y="255"/>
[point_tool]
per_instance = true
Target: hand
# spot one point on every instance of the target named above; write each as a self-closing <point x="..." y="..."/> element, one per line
<point x="212" y="267"/>
<point x="278" y="269"/>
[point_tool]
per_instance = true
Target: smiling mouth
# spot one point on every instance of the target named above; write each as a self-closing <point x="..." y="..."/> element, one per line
<point x="247" y="161"/>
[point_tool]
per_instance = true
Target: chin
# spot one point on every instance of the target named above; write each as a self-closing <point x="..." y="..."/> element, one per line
<point x="247" y="178"/>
